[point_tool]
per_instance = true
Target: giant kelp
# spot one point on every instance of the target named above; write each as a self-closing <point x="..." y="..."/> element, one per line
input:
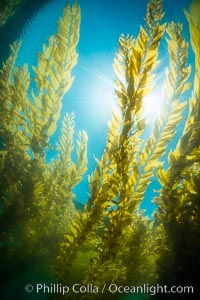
<point x="111" y="240"/>
<point x="112" y="183"/>
<point x="123" y="246"/>
<point x="36" y="196"/>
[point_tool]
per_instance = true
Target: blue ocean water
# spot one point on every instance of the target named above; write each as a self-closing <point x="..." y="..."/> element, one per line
<point x="92" y="95"/>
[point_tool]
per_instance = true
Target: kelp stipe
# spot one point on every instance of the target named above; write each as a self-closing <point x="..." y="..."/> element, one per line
<point x="36" y="196"/>
<point x="179" y="207"/>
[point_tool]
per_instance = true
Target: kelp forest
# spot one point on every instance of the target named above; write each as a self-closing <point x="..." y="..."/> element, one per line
<point x="109" y="242"/>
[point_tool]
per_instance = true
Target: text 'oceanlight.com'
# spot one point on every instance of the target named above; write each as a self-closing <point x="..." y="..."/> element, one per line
<point x="56" y="288"/>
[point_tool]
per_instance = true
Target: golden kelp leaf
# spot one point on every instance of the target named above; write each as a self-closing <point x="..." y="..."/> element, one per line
<point x="34" y="110"/>
<point x="171" y="159"/>
<point x="178" y="107"/>
<point x="96" y="174"/>
<point x="142" y="39"/>
<point x="142" y="188"/>
<point x="62" y="26"/>
<point x="69" y="238"/>
<point x="63" y="245"/>
<point x="36" y="100"/>
<point x="145" y="180"/>
<point x="54" y="80"/>
<point x="58" y="58"/>
<point x="141" y="124"/>
<point x="194" y="32"/>
<point x="84" y="216"/>
<point x="74" y="231"/>
<point x="38" y="190"/>
<point x="42" y="62"/>
<point x="52" y="128"/>
<point x="162" y="176"/>
<point x="151" y="225"/>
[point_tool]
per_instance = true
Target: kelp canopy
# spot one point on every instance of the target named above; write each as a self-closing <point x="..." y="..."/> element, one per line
<point x="110" y="240"/>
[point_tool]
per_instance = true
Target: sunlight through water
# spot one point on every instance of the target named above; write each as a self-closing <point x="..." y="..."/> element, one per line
<point x="153" y="105"/>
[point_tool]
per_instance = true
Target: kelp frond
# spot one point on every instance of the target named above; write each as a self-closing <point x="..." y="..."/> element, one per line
<point x="53" y="76"/>
<point x="14" y="85"/>
<point x="187" y="149"/>
<point x="172" y="112"/>
<point x="63" y="166"/>
<point x="7" y="9"/>
<point x="193" y="18"/>
<point x="189" y="141"/>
